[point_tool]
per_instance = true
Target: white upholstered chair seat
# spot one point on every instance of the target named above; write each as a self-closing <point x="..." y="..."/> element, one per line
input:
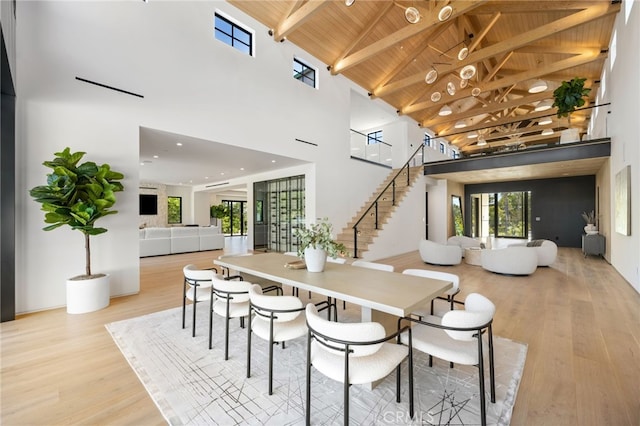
<point x="437" y="343"/>
<point x="196" y="288"/>
<point x="231" y="301"/>
<point x="281" y="332"/>
<point x="362" y="369"/>
<point x="235" y="309"/>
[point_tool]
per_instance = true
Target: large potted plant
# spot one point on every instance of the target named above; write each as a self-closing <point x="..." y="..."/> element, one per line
<point x="77" y="196"/>
<point x="568" y="97"/>
<point x="217" y="212"/>
<point x="316" y="243"/>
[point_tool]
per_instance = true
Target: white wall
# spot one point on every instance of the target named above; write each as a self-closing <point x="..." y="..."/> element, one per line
<point x="623" y="126"/>
<point x="166" y="52"/>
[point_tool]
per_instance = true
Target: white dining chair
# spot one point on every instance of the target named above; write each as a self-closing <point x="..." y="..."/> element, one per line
<point x="276" y="319"/>
<point x="354" y="353"/>
<point x="457" y="338"/>
<point x="230" y="300"/>
<point x="196" y="287"/>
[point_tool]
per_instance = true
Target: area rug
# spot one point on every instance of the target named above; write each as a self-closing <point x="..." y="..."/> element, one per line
<point x="192" y="385"/>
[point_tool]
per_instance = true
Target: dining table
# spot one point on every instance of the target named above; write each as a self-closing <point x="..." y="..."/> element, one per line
<point x="382" y="296"/>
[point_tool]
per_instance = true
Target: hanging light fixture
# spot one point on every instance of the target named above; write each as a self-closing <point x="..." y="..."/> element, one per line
<point x="412" y="15"/>
<point x="472" y="134"/>
<point x="431" y="76"/>
<point x="547" y="132"/>
<point x="460" y="124"/>
<point x="543" y="105"/>
<point x="463" y="83"/>
<point x="451" y="88"/>
<point x="445" y="110"/>
<point x="349" y="3"/>
<point x="463" y="53"/>
<point x="445" y="13"/>
<point x="481" y="141"/>
<point x="435" y="96"/>
<point x="538" y="86"/>
<point x="467" y="72"/>
<point x="544" y="121"/>
<point x="476" y="91"/>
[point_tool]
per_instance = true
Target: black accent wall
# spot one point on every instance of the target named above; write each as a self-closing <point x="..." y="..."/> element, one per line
<point x="558" y="203"/>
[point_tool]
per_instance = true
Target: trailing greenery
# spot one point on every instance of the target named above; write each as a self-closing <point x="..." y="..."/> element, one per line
<point x="569" y="96"/>
<point x="318" y="235"/>
<point x="77" y="196"/>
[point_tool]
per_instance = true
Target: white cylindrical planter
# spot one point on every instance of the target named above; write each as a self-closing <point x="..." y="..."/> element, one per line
<point x="88" y="295"/>
<point x="315" y="259"/>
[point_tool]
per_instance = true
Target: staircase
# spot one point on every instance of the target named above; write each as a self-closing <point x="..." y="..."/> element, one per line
<point x="379" y="207"/>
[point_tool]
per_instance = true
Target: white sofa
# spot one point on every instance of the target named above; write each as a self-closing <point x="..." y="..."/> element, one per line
<point x="161" y="241"/>
<point x="439" y="254"/>
<point x="546" y="250"/>
<point x="515" y="260"/>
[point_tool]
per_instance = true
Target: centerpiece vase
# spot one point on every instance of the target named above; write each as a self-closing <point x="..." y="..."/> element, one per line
<point x="315" y="259"/>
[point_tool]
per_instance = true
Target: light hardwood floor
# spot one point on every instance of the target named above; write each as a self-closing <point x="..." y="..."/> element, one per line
<point x="580" y="319"/>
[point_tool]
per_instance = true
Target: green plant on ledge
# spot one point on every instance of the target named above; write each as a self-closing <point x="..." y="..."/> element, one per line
<point x="218" y="211"/>
<point x="77" y="196"/>
<point x="318" y="235"/>
<point x="569" y="96"/>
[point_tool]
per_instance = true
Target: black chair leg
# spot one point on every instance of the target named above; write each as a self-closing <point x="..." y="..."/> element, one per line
<point x="308" y="390"/>
<point x="249" y="347"/>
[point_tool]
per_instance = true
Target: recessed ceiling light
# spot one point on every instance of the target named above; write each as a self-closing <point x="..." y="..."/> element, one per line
<point x="273" y="161"/>
<point x="241" y="168"/>
<point x="206" y="177"/>
<point x="373" y="154"/>
<point x="156" y="156"/>
<point x="179" y="143"/>
<point x="142" y="163"/>
<point x="388" y="159"/>
<point x="221" y="173"/>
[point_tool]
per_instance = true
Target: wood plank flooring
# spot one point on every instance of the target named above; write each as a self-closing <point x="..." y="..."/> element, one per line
<point x="580" y="319"/>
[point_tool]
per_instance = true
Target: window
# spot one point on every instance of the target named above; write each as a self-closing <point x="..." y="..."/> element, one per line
<point x="304" y="73"/>
<point x="455" y="154"/>
<point x="509" y="214"/>
<point x="427" y="140"/>
<point x="174" y="210"/>
<point x="374" y="137"/>
<point x="442" y="148"/>
<point x="233" y="35"/>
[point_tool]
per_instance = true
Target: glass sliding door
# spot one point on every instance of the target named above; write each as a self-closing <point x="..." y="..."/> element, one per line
<point x="501" y="214"/>
<point x="235" y="223"/>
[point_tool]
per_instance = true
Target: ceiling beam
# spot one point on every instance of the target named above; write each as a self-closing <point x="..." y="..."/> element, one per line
<point x="410" y="30"/>
<point x="297" y="18"/>
<point x="594" y="12"/>
<point x="585" y="58"/>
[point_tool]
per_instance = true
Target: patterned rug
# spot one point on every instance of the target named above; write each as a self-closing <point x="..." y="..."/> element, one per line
<point x="192" y="385"/>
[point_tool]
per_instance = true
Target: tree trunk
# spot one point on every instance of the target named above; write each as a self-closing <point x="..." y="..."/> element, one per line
<point x="87" y="254"/>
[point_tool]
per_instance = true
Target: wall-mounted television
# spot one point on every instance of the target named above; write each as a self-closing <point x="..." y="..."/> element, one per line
<point x="148" y="204"/>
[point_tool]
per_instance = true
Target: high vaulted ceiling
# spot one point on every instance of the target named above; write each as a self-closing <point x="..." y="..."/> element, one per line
<point x="511" y="44"/>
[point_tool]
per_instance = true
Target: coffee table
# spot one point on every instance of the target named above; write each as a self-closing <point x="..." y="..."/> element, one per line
<point x="473" y="256"/>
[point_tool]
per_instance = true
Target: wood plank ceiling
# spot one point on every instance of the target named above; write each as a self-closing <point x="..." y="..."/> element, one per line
<point x="510" y="44"/>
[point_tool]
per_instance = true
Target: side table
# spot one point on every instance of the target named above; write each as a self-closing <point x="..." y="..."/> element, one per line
<point x="593" y="244"/>
<point x="473" y="256"/>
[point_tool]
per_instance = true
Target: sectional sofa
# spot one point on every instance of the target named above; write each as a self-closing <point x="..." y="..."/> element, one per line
<point x="161" y="241"/>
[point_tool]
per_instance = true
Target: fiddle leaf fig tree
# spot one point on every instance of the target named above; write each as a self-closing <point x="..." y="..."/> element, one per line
<point x="569" y="96"/>
<point x="77" y="196"/>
